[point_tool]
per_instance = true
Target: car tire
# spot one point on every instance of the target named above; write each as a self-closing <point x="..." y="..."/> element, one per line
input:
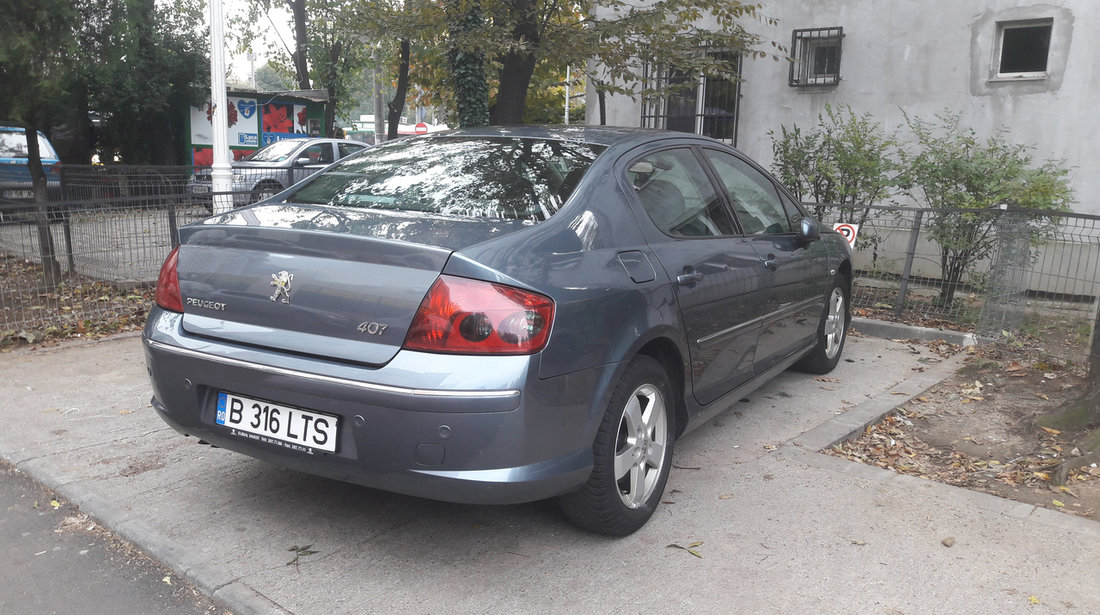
<point x="638" y="430"/>
<point x="832" y="331"/>
<point x="266" y="190"/>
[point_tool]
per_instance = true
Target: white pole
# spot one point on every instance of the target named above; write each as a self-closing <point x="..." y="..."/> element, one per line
<point x="221" y="173"/>
<point x="567" y="95"/>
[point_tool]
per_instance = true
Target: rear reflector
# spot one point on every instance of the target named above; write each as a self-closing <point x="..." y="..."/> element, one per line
<point x="464" y="316"/>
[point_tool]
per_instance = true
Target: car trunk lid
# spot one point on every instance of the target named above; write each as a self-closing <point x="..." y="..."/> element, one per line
<point x="311" y="281"/>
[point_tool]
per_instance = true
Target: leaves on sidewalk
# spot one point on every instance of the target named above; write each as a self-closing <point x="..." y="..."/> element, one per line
<point x="690" y="548"/>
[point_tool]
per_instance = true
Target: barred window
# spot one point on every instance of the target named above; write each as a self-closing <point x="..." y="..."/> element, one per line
<point x="816" y="54"/>
<point x="701" y="105"/>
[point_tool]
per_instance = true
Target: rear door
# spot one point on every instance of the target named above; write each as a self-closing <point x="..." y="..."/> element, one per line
<point x="796" y="271"/>
<point x="718" y="276"/>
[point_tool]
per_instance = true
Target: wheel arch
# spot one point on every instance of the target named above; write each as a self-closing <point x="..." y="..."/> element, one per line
<point x="668" y="355"/>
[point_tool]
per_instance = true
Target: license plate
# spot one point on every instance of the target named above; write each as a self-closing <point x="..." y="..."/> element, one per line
<point x="19" y="194"/>
<point x="294" y="428"/>
<point x="202" y="189"/>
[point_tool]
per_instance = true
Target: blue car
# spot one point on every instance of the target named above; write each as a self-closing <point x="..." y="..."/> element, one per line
<point x="16" y="188"/>
<point x="497" y="315"/>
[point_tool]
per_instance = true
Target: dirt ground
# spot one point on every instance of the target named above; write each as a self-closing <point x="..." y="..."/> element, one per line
<point x="78" y="307"/>
<point x="977" y="429"/>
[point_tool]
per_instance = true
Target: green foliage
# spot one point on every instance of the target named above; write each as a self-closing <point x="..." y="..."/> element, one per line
<point x="468" y="62"/>
<point x="844" y="159"/>
<point x="273" y="78"/>
<point x="545" y="36"/>
<point x="152" y="64"/>
<point x="965" y="181"/>
<point x="38" y="51"/>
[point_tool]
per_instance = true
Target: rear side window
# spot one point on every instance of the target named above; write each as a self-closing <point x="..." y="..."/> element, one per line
<point x="678" y="196"/>
<point x="347" y="149"/>
<point x="473" y="177"/>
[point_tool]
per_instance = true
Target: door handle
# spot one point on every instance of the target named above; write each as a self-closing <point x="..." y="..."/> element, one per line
<point x="687" y="279"/>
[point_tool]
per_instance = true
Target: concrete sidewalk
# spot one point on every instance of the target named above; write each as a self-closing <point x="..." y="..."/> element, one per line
<point x="783" y="528"/>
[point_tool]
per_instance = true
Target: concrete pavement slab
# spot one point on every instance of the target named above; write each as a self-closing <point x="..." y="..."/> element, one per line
<point x="783" y="529"/>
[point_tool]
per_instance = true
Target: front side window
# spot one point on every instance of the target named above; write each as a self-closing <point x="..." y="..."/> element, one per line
<point x="473" y="177"/>
<point x="320" y="153"/>
<point x="816" y="55"/>
<point x="677" y="195"/>
<point x="753" y="196"/>
<point x="1023" y="49"/>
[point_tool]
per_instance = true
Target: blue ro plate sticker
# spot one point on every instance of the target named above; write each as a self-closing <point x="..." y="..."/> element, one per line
<point x="287" y="426"/>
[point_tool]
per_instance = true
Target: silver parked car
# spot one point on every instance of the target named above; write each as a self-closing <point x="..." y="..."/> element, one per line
<point x="272" y="168"/>
<point x="497" y="315"/>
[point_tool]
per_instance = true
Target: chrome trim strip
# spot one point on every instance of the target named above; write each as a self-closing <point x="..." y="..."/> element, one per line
<point x="282" y="371"/>
<point x="714" y="337"/>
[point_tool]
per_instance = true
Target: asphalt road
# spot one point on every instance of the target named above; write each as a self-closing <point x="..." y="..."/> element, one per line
<point x="57" y="560"/>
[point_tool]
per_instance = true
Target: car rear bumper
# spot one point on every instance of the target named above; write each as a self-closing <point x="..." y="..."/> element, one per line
<point x="483" y="430"/>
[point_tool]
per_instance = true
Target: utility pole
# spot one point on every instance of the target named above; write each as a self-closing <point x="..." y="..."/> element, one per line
<point x="567" y="95"/>
<point x="221" y="173"/>
<point x="379" y="119"/>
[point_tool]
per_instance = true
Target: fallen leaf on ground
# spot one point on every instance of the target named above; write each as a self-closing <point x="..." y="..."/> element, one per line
<point x="690" y="548"/>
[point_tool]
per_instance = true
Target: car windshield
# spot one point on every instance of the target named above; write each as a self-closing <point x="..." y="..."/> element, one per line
<point x="276" y="152"/>
<point x="13" y="144"/>
<point x="511" y="178"/>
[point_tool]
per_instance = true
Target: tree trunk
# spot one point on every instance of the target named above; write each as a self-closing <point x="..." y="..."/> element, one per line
<point x="334" y="53"/>
<point x="301" y="65"/>
<point x="397" y="105"/>
<point x="51" y="269"/>
<point x="468" y="65"/>
<point x="519" y="65"/>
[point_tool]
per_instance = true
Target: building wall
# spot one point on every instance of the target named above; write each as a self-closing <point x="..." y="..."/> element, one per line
<point x="922" y="58"/>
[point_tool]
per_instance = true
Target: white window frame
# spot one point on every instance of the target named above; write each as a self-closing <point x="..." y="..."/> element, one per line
<point x="998" y="50"/>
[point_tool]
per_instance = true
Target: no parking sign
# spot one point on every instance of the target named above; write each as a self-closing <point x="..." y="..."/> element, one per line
<point x="848" y="230"/>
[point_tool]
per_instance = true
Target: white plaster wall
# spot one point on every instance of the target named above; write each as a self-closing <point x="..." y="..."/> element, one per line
<point x="924" y="57"/>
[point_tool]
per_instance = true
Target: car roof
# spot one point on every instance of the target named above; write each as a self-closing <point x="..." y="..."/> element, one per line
<point x="599" y="135"/>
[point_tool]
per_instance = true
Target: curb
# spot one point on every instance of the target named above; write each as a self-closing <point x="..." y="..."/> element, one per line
<point x="808" y="447"/>
<point x="211" y="580"/>
<point x="894" y="330"/>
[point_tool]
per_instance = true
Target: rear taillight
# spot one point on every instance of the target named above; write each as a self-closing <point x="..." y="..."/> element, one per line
<point x="465" y="316"/>
<point x="168" y="284"/>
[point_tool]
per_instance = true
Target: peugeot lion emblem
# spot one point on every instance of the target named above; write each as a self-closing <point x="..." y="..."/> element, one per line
<point x="281" y="281"/>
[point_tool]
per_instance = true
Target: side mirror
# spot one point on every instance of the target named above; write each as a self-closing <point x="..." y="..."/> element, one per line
<point x="301" y="162"/>
<point x="809" y="230"/>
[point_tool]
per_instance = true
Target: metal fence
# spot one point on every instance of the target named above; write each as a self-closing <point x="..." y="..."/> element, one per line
<point x="1036" y="275"/>
<point x="1030" y="274"/>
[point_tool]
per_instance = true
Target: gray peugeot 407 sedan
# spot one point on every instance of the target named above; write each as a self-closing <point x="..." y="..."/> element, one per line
<point x="497" y="315"/>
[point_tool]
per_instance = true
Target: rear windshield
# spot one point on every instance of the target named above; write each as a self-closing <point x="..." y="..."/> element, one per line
<point x="476" y="177"/>
<point x="13" y="144"/>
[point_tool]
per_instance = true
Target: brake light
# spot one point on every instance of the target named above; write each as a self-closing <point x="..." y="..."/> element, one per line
<point x="168" y="284"/>
<point x="464" y="316"/>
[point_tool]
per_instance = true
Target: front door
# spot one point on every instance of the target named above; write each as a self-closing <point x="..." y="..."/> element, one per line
<point x="797" y="270"/>
<point x="718" y="276"/>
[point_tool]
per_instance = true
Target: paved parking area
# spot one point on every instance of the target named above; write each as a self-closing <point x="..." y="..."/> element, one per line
<point x="782" y="528"/>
